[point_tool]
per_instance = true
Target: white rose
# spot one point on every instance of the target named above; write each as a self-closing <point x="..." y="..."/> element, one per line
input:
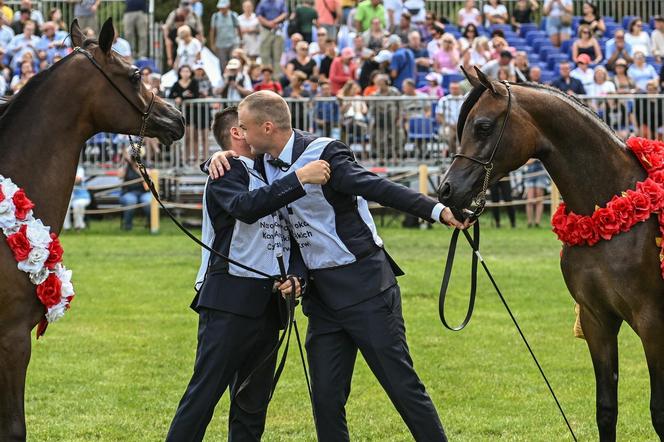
<point x="35" y="261"/>
<point x="38" y="277"/>
<point x="64" y="276"/>
<point x="7" y="215"/>
<point x="8" y="188"/>
<point x="38" y="234"/>
<point x="57" y="311"/>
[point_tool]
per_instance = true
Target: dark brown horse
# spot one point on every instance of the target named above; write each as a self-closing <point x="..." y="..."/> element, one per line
<point x="613" y="281"/>
<point x="42" y="131"/>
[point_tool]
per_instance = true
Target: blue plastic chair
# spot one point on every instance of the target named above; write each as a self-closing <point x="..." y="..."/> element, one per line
<point x="421" y="129"/>
<point x="451" y="78"/>
<point x="626" y="19"/>
<point x="555" y="59"/>
<point x="534" y="35"/>
<point x="527" y="28"/>
<point x="147" y="63"/>
<point x="539" y="42"/>
<point x="548" y="76"/>
<point x="547" y="51"/>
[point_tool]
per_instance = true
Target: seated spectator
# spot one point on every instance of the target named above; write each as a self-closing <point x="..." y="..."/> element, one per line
<point x="435" y="44"/>
<point x="255" y="74"/>
<point x="291" y="52"/>
<point x="649" y="112"/>
<point x="637" y="38"/>
<point x="618" y="117"/>
<point x="3" y="82"/>
<point x="447" y="114"/>
<point x="447" y="59"/>
<point x="433" y="87"/>
<point x="641" y="72"/>
<point x="601" y="84"/>
<point x="469" y="14"/>
<point x="587" y="44"/>
<point x="535" y="75"/>
<point x="522" y="66"/>
<point x="468" y="36"/>
<point x="617" y="48"/>
<point x="366" y="11"/>
<point x="23" y="17"/>
<point x="495" y="13"/>
<point x="492" y="68"/>
<point x="416" y="107"/>
<point x="422" y="60"/>
<point x="353" y="112"/>
<point x="189" y="48"/>
<point x="53" y="41"/>
<point x="18" y="81"/>
<point x="6" y="33"/>
<point x="6" y="12"/>
<point x="303" y="19"/>
<point x="302" y="62"/>
<point x="80" y="199"/>
<point x="267" y="83"/>
<point x="235" y="85"/>
<point x="342" y="69"/>
<point x="35" y="15"/>
<point x="657" y="39"/>
<point x="480" y="53"/>
<point x="592" y="19"/>
<point x="558" y="20"/>
<point x="506" y="74"/>
<point x="22" y="44"/>
<point x="583" y="72"/>
<point x="326" y="112"/>
<point x="132" y="194"/>
<point x="624" y="84"/>
<point x="567" y="83"/>
<point x="327" y="59"/>
<point x="405" y="27"/>
<point x="55" y="15"/>
<point x="426" y="28"/>
<point x="374" y="36"/>
<point x="523" y="13"/>
<point x="499" y="44"/>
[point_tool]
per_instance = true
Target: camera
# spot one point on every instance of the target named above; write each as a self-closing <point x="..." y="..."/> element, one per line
<point x="232" y="77"/>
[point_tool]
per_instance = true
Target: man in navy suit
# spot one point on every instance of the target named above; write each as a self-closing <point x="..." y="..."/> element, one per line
<point x="238" y="311"/>
<point x="353" y="300"/>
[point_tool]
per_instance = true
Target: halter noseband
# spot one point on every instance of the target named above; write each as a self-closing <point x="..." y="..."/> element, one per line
<point x="480" y="200"/>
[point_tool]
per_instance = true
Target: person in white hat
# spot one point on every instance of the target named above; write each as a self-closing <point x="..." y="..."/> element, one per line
<point x="224" y="31"/>
<point x="235" y="84"/>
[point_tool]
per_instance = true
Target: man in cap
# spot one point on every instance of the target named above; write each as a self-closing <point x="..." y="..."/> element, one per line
<point x="402" y="65"/>
<point x="583" y="72"/>
<point x="224" y="32"/>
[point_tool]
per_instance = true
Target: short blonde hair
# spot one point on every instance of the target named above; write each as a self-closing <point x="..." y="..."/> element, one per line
<point x="267" y="106"/>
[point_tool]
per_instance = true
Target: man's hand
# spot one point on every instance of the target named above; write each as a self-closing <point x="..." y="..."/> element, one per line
<point x="316" y="172"/>
<point x="219" y="163"/>
<point x="286" y="288"/>
<point x="447" y="218"/>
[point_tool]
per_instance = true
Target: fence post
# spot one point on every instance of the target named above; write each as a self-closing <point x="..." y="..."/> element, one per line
<point x="154" y="206"/>
<point x="555" y="198"/>
<point x="423" y="186"/>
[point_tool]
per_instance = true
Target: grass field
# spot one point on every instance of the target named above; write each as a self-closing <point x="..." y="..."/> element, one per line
<point x="115" y="368"/>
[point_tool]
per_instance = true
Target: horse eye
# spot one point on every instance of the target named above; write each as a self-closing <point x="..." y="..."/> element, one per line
<point x="484" y="128"/>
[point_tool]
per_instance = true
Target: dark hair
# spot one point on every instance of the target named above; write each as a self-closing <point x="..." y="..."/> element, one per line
<point x="497" y="33"/>
<point x="593" y="6"/>
<point x="439" y="29"/>
<point x="182" y="67"/>
<point x="221" y="126"/>
<point x="468" y="27"/>
<point x="632" y="23"/>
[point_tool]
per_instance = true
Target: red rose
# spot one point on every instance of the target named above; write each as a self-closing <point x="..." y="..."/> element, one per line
<point x="587" y="230"/>
<point x="20" y="244"/>
<point x="573" y="237"/>
<point x="640" y="145"/>
<point x="641" y="204"/>
<point x="559" y="221"/>
<point x="55" y="252"/>
<point x="657" y="176"/>
<point x="22" y="203"/>
<point x="653" y="191"/>
<point x="48" y="291"/>
<point x="607" y="222"/>
<point x="624" y="210"/>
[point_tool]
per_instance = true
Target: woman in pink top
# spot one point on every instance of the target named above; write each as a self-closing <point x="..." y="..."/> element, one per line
<point x="446" y="60"/>
<point x="342" y="69"/>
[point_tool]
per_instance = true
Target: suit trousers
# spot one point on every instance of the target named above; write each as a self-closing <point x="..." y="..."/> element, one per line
<point x="229" y="348"/>
<point x="376" y="328"/>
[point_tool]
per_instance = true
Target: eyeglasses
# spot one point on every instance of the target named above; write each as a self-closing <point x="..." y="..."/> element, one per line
<point x="448" y="41"/>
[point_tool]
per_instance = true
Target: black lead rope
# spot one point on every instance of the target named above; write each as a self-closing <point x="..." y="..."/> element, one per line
<point x="475" y="246"/>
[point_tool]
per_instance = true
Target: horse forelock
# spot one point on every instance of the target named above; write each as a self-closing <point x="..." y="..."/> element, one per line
<point x="470" y="101"/>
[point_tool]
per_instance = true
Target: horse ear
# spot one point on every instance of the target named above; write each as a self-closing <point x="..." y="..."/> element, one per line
<point x="106" y="36"/>
<point x="484" y="80"/>
<point x="77" y="37"/>
<point x="472" y="79"/>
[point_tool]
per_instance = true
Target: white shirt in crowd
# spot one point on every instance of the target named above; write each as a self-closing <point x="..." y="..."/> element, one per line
<point x="491" y="11"/>
<point x="396" y="6"/>
<point x="188" y="52"/>
<point x="417" y="10"/>
<point x="250" y="41"/>
<point x="642" y="75"/>
<point x="587" y="78"/>
<point x="557" y="9"/>
<point x="467" y="17"/>
<point x="657" y="43"/>
<point x="449" y="107"/>
<point x="638" y="43"/>
<point x="233" y="95"/>
<point x="599" y="90"/>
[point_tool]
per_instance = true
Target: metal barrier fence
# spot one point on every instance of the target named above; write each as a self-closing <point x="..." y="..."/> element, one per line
<point x="396" y="133"/>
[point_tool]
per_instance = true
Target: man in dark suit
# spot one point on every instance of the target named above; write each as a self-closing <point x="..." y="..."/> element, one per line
<point x="238" y="311"/>
<point x="353" y="300"/>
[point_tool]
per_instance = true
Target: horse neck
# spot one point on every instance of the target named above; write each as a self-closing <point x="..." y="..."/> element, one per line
<point x="585" y="159"/>
<point x="40" y="141"/>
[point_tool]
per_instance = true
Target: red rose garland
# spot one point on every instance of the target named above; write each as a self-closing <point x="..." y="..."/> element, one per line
<point x="624" y="211"/>
<point x="37" y="251"/>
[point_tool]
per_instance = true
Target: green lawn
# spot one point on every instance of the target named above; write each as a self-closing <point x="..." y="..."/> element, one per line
<point x="115" y="368"/>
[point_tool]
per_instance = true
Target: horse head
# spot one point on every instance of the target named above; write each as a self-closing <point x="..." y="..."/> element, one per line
<point x="118" y="100"/>
<point x="496" y="137"/>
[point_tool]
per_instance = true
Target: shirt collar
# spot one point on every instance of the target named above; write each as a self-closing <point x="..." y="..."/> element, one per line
<point x="247" y="161"/>
<point x="286" y="154"/>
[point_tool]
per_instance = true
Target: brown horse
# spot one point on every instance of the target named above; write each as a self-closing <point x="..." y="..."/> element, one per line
<point x="42" y="131"/>
<point x="613" y="281"/>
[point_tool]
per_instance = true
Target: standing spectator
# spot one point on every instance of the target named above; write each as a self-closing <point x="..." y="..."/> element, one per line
<point x="469" y="14"/>
<point x="587" y="44"/>
<point x="468" y="35"/>
<point x="583" y="72"/>
<point x="374" y="36"/>
<point x="641" y="72"/>
<point x="271" y="14"/>
<point x="342" y="70"/>
<point x="657" y="39"/>
<point x="235" y="84"/>
<point x="183" y="15"/>
<point x="566" y="83"/>
<point x="447" y="114"/>
<point x="186" y="88"/>
<point x="328" y="58"/>
<point x="197" y="8"/>
<point x="393" y="11"/>
<point x="592" y="19"/>
<point x="303" y="20"/>
<point x="416" y="9"/>
<point x="617" y="48"/>
<point x="347" y="6"/>
<point x="637" y="38"/>
<point x="189" y="48"/>
<point x="329" y="16"/>
<point x="649" y="113"/>
<point x="204" y="83"/>
<point x="523" y="13"/>
<point x="36" y="15"/>
<point x="22" y="44"/>
<point x="446" y="60"/>
<point x="502" y="191"/>
<point x="249" y="29"/>
<point x="558" y="20"/>
<point x="80" y="199"/>
<point x="421" y="55"/>
<point x="302" y="62"/>
<point x="135" y="21"/>
<point x="535" y="74"/>
<point x="224" y="32"/>
<point x="402" y="65"/>
<point x="326" y="111"/>
<point x="619" y="118"/>
<point x="132" y="194"/>
<point x="624" y="84"/>
<point x="267" y="83"/>
<point x="366" y="11"/>
<point x="86" y="13"/>
<point x="377" y="65"/>
<point x="535" y="183"/>
<point x="386" y="134"/>
<point x="495" y="13"/>
<point x="353" y="111"/>
<point x="27" y="72"/>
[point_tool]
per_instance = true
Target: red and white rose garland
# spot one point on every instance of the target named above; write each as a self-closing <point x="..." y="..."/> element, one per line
<point x="624" y="211"/>
<point x="37" y="250"/>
